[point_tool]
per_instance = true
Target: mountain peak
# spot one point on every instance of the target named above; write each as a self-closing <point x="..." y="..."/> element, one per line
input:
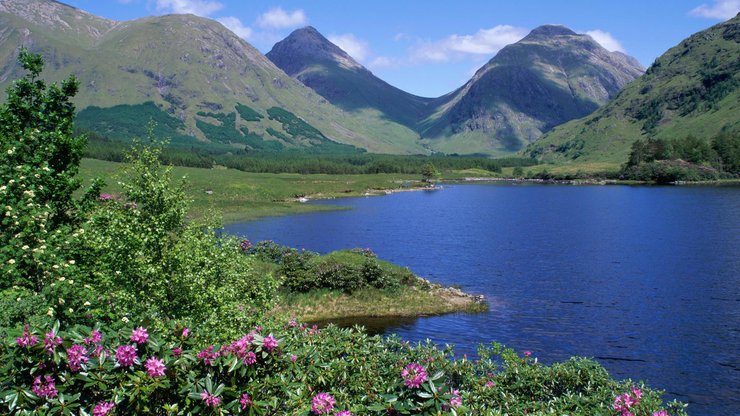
<point x="550" y="31"/>
<point x="307" y="42"/>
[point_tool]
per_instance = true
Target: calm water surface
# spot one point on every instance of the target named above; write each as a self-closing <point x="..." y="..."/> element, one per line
<point x="644" y="279"/>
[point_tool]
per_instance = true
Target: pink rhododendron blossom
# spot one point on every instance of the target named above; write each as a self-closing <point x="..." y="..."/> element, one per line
<point x="527" y="353"/>
<point x="245" y="401"/>
<point x="139" y="335"/>
<point x="490" y="384"/>
<point x="293" y="358"/>
<point x="26" y="340"/>
<point x="185" y="332"/>
<point x="94" y="338"/>
<point x="456" y="400"/>
<point x="155" y="367"/>
<point x="344" y="413"/>
<point x="624" y="402"/>
<point x="105" y="197"/>
<point x="414" y="375"/>
<point x="103" y="408"/>
<point x="45" y="389"/>
<point x="250" y="358"/>
<point x="269" y="343"/>
<point x="322" y="403"/>
<point x="126" y="355"/>
<point x="76" y="357"/>
<point x="51" y="341"/>
<point x="210" y="399"/>
<point x="208" y="355"/>
<point x="177" y="351"/>
<point x="660" y="413"/>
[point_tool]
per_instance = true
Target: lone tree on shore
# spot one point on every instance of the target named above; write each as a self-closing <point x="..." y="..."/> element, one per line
<point x="429" y="172"/>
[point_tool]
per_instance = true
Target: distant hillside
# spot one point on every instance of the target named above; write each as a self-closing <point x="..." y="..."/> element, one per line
<point x="324" y="67"/>
<point x="204" y="85"/>
<point x="551" y="76"/>
<point x="692" y="89"/>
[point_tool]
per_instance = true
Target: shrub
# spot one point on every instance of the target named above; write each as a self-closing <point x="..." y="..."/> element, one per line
<point x="292" y="369"/>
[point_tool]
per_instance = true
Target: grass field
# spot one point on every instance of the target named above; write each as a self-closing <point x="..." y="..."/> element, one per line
<point x="242" y="196"/>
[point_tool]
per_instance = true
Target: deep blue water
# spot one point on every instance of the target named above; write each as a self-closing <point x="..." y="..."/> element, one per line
<point x="644" y="279"/>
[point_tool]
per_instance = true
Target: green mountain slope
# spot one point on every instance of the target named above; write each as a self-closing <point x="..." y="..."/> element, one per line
<point x="191" y="74"/>
<point x="692" y="89"/>
<point x="551" y="76"/>
<point x="321" y="65"/>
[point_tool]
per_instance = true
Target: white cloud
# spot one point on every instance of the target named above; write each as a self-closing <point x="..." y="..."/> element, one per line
<point x="606" y="40"/>
<point x="721" y="9"/>
<point x="196" y="7"/>
<point x="484" y="42"/>
<point x="236" y="26"/>
<point x="382" y="62"/>
<point x="277" y="18"/>
<point x="356" y="48"/>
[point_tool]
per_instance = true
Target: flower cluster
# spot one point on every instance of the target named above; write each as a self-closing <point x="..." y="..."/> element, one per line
<point x="155" y="367"/>
<point x="245" y="245"/>
<point x="269" y="343"/>
<point x="51" y="342"/>
<point x="26" y="340"/>
<point x="208" y="355"/>
<point x="211" y="400"/>
<point x="414" y="375"/>
<point x="77" y="357"/>
<point x="103" y="408"/>
<point x="46" y="388"/>
<point x="139" y="335"/>
<point x="245" y="401"/>
<point x="322" y="403"/>
<point x="625" y="402"/>
<point x="126" y="355"/>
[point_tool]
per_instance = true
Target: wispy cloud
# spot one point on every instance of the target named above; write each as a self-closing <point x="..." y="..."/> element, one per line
<point x="720" y="9"/>
<point x="484" y="42"/>
<point x="197" y="7"/>
<point x="356" y="48"/>
<point x="277" y="18"/>
<point x="606" y="40"/>
<point x="236" y="26"/>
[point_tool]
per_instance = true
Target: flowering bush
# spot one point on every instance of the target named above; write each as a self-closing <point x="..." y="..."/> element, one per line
<point x="294" y="369"/>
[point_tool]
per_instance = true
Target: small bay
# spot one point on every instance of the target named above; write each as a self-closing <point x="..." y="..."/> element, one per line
<point x="644" y="279"/>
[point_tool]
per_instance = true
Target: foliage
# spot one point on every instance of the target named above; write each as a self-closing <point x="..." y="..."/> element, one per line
<point x="39" y="160"/>
<point x="283" y="368"/>
<point x="150" y="262"/>
<point x="248" y="113"/>
<point x="429" y="172"/>
<point x="345" y="270"/>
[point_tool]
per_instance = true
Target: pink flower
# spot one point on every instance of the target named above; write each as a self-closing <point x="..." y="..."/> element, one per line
<point x="185" y="332"/>
<point x="293" y="358"/>
<point x="139" y="335"/>
<point x="44" y="390"/>
<point x="103" y="408"/>
<point x="660" y="413"/>
<point x="414" y="375"/>
<point x="105" y="197"/>
<point x="177" y="351"/>
<point x="455" y="400"/>
<point x="624" y="402"/>
<point x="292" y="323"/>
<point x="210" y="399"/>
<point x="155" y="367"/>
<point x="527" y="353"/>
<point x="76" y="357"/>
<point x="344" y="413"/>
<point x="322" y="403"/>
<point x="490" y="384"/>
<point x="245" y="401"/>
<point x="51" y="341"/>
<point x="27" y="340"/>
<point x="94" y="338"/>
<point x="126" y="355"/>
<point x="269" y="343"/>
<point x="250" y="358"/>
<point x="208" y="355"/>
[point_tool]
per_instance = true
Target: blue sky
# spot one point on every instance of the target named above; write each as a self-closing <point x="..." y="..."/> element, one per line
<point x="431" y="47"/>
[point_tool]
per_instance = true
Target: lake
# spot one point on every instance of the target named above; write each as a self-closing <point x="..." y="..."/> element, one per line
<point x="644" y="279"/>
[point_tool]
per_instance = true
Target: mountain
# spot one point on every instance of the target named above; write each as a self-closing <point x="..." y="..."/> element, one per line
<point x="205" y="86"/>
<point x="692" y="89"/>
<point x="321" y="65"/>
<point x="551" y="76"/>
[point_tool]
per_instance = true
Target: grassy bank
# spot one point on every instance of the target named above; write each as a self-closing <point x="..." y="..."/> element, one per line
<point x="320" y="305"/>
<point x="242" y="196"/>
